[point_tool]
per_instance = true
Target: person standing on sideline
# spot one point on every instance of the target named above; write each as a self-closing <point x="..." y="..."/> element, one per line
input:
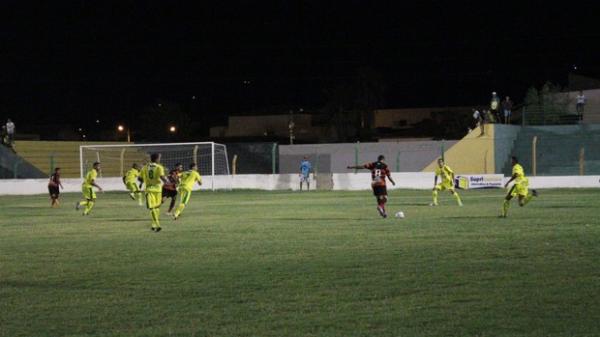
<point x="10" y="132"/>
<point x="479" y="121"/>
<point x="494" y="107"/>
<point x="580" y="104"/>
<point x="305" y="168"/>
<point x="507" y="105"/>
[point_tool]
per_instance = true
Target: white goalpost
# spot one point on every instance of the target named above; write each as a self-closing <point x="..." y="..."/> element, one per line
<point x="211" y="158"/>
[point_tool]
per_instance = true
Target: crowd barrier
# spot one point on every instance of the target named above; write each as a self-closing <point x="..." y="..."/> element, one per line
<point x="339" y="182"/>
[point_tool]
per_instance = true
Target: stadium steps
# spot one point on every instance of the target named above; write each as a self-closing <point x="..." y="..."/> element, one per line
<point x="478" y="149"/>
<point x="15" y="166"/>
<point x="558" y="149"/>
<point x="45" y="155"/>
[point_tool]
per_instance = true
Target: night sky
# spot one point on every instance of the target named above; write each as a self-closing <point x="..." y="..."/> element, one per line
<point x="75" y="62"/>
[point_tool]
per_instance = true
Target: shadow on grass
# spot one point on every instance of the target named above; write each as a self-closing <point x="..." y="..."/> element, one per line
<point x="565" y="206"/>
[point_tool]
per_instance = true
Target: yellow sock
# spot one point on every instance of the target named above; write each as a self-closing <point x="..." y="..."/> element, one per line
<point x="435" y="195"/>
<point x="457" y="197"/>
<point x="505" y="207"/>
<point x="88" y="207"/>
<point x="155" y="212"/>
<point x="179" y="209"/>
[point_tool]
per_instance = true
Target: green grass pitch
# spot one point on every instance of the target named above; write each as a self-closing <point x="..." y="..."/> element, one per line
<point x="252" y="263"/>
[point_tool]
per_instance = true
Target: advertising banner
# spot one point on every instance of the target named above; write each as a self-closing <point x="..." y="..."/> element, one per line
<point x="479" y="181"/>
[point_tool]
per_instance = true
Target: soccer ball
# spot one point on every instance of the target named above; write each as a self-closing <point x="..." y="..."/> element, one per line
<point x="399" y="215"/>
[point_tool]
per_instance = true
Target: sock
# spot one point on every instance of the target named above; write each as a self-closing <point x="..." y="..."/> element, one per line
<point x="179" y="209"/>
<point x="527" y="199"/>
<point x="435" y="195"/>
<point x="88" y="207"/>
<point x="155" y="213"/>
<point x="457" y="197"/>
<point x="505" y="207"/>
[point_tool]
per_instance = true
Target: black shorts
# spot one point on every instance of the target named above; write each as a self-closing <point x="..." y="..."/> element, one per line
<point x="54" y="191"/>
<point x="379" y="190"/>
<point x="166" y="193"/>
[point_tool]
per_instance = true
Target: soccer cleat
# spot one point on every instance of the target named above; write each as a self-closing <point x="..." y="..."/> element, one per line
<point x="433" y="204"/>
<point x="152" y="229"/>
<point x="534" y="193"/>
<point x="175" y="216"/>
<point x="381" y="212"/>
<point x="158" y="229"/>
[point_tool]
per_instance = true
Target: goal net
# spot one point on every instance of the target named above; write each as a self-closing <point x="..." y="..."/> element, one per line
<point x="210" y="157"/>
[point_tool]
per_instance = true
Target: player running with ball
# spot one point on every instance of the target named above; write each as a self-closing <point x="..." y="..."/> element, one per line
<point x="520" y="188"/>
<point x="379" y="171"/>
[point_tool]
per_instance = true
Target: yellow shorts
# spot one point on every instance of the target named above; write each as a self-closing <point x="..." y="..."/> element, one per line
<point x="153" y="199"/>
<point x="520" y="188"/>
<point x="444" y="185"/>
<point x="88" y="193"/>
<point x="132" y="186"/>
<point x="185" y="195"/>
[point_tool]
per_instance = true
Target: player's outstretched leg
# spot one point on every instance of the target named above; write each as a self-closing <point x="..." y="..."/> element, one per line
<point x="185" y="198"/>
<point x="524" y="201"/>
<point x="457" y="197"/>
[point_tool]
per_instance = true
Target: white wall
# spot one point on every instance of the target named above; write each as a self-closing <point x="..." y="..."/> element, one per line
<point x="342" y="181"/>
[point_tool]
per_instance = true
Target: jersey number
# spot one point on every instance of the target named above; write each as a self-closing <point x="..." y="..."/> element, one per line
<point x="151" y="174"/>
<point x="377" y="173"/>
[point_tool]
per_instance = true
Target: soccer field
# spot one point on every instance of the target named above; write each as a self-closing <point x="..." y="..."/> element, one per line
<point x="254" y="263"/>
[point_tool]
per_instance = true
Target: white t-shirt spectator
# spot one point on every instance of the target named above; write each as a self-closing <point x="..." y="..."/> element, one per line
<point x="10" y="128"/>
<point x="580" y="99"/>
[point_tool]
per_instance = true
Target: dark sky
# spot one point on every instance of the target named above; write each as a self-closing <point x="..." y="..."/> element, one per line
<point x="83" y="60"/>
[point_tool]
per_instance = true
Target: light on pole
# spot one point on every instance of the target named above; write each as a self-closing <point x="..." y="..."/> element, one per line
<point x="122" y="128"/>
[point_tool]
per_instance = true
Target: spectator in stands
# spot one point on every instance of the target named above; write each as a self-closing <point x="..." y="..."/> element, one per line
<point x="495" y="106"/>
<point x="479" y="121"/>
<point x="580" y="104"/>
<point x="507" y="105"/>
<point x="3" y="136"/>
<point x="10" y="132"/>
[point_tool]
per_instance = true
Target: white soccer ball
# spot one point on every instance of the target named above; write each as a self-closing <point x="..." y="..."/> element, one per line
<point x="399" y="215"/>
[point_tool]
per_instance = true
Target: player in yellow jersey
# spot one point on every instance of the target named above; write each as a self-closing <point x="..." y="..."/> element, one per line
<point x="87" y="188"/>
<point x="447" y="176"/>
<point x="153" y="176"/>
<point x="520" y="188"/>
<point x="131" y="182"/>
<point x="186" y="184"/>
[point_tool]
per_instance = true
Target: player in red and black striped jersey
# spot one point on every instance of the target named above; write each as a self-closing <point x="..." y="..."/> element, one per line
<point x="169" y="190"/>
<point x="54" y="186"/>
<point x="379" y="172"/>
